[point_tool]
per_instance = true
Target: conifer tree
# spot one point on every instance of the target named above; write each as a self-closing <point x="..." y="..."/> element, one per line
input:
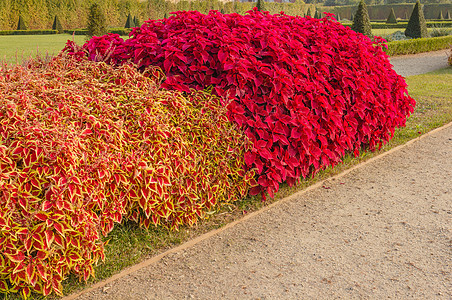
<point x="96" y="21"/>
<point x="308" y="12"/>
<point x="417" y="27"/>
<point x="21" y="24"/>
<point x="316" y="14"/>
<point x="361" y="21"/>
<point x="129" y="23"/>
<point x="57" y="25"/>
<point x="447" y="17"/>
<point x="391" y="18"/>
<point x="440" y="16"/>
<point x="136" y="21"/>
<point x="260" y="5"/>
<point x="338" y="17"/>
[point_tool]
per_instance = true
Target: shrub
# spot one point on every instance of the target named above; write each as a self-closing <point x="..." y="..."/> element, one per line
<point x="57" y="25"/>
<point x="136" y="21"/>
<point x="417" y="28"/>
<point x="440" y="16"/>
<point x="259" y="5"/>
<point x="414" y="46"/>
<point x="361" y="21"/>
<point x="129" y="23"/>
<point x="83" y="145"/>
<point x="447" y="17"/>
<point x="21" y="24"/>
<point x="304" y="90"/>
<point x="391" y="18"/>
<point x="96" y="21"/>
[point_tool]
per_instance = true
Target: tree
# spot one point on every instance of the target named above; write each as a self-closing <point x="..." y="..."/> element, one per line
<point x="361" y="21"/>
<point x="136" y="21"/>
<point x="57" y="25"/>
<point x="308" y="13"/>
<point x="96" y="21"/>
<point x="21" y="24"/>
<point x="417" y="27"/>
<point x="391" y="18"/>
<point x="129" y="23"/>
<point x="316" y="14"/>
<point x="447" y="17"/>
<point x="260" y="5"/>
<point x="440" y="16"/>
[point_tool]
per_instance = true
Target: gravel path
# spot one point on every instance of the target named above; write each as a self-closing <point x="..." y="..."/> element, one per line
<point x="408" y="65"/>
<point x="380" y="230"/>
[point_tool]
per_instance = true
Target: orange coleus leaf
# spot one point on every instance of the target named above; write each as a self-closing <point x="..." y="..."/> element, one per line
<point x="3" y="286"/>
<point x="46" y="205"/>
<point x="18" y="257"/>
<point x="49" y="237"/>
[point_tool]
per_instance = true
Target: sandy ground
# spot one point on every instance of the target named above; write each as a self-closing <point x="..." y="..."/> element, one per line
<point x="381" y="230"/>
<point x="408" y="65"/>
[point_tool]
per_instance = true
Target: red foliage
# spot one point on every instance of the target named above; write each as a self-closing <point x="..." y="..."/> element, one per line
<point x="304" y="90"/>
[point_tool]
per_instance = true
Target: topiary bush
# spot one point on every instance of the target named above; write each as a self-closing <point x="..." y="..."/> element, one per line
<point x="21" y="24"/>
<point x="417" y="27"/>
<point x="305" y="91"/>
<point x="391" y="18"/>
<point x="361" y="21"/>
<point x="84" y="145"/>
<point x="57" y="25"/>
<point x="129" y="22"/>
<point x="97" y="25"/>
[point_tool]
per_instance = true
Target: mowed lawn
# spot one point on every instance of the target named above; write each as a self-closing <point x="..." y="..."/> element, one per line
<point x="16" y="48"/>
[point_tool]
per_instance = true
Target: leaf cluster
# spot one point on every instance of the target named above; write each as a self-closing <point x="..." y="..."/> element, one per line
<point x="84" y="146"/>
<point x="305" y="91"/>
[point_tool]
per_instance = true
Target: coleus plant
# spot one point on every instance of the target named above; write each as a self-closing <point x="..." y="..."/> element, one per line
<point x="84" y="145"/>
<point x="305" y="91"/>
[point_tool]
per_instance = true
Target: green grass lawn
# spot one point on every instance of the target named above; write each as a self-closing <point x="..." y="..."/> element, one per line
<point x="15" y="48"/>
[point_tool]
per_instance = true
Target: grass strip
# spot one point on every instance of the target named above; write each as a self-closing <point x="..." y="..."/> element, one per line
<point x="129" y="244"/>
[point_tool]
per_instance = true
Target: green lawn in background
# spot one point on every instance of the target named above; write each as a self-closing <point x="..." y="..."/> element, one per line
<point x="15" y="48"/>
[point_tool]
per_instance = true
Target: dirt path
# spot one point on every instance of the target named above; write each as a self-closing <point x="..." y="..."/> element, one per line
<point x="382" y="230"/>
<point x="408" y="65"/>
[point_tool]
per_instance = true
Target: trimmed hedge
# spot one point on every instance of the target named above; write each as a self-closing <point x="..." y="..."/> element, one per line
<point x="84" y="146"/>
<point x="403" y="24"/>
<point x="304" y="90"/>
<point x="414" y="46"/>
<point x="27" y="32"/>
<point x="120" y="31"/>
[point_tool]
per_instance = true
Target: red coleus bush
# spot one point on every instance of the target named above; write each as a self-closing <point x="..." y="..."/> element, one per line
<point x="83" y="145"/>
<point x="304" y="90"/>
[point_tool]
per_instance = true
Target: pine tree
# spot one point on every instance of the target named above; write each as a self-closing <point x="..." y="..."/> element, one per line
<point x="129" y="23"/>
<point x="440" y="16"/>
<point x="57" y="25"/>
<point x="447" y="17"/>
<point x="96" y="21"/>
<point x="417" y="27"/>
<point x="260" y="5"/>
<point x="391" y="18"/>
<point x="316" y="14"/>
<point x="361" y="21"/>
<point x="136" y="21"/>
<point x="308" y="13"/>
<point x="338" y="17"/>
<point x="21" y="24"/>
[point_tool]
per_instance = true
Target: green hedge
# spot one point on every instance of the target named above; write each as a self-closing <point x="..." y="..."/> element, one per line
<point x="120" y="31"/>
<point x="414" y="46"/>
<point x="27" y="32"/>
<point x="403" y="24"/>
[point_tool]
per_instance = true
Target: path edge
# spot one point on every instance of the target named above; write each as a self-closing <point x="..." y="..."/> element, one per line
<point x="214" y="232"/>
